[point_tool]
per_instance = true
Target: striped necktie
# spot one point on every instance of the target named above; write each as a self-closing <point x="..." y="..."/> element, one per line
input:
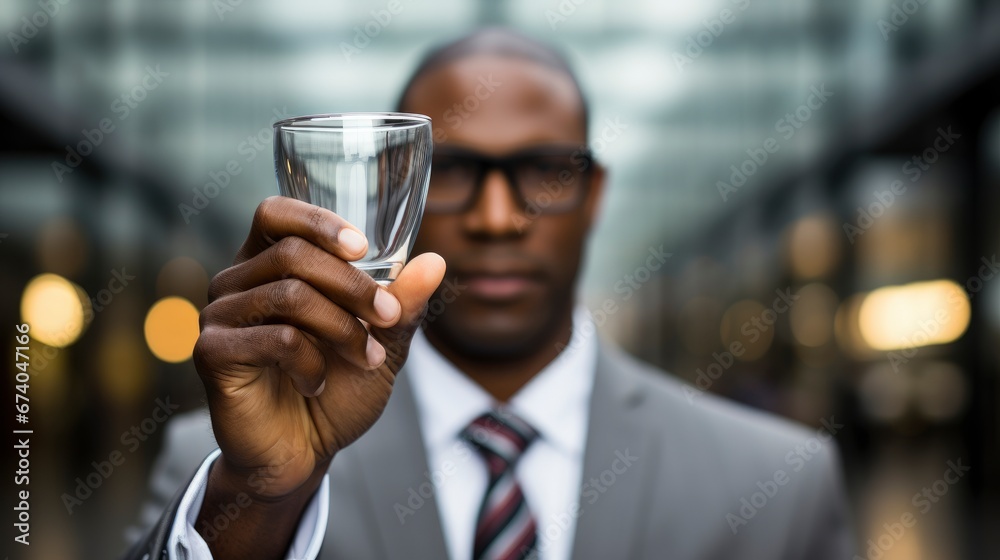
<point x="505" y="529"/>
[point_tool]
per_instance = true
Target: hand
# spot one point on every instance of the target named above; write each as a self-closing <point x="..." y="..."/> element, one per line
<point x="299" y="350"/>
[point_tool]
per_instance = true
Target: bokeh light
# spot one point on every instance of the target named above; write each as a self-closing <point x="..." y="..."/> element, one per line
<point x="171" y="329"/>
<point x="55" y="308"/>
<point x="813" y="246"/>
<point x="914" y="315"/>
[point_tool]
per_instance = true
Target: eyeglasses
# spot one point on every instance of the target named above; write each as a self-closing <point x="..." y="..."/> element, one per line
<point x="546" y="179"/>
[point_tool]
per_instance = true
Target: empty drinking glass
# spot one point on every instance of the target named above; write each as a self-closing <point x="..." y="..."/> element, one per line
<point x="372" y="169"/>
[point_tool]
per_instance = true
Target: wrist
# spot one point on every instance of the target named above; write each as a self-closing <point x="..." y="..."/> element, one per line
<point x="264" y="485"/>
<point x="237" y="505"/>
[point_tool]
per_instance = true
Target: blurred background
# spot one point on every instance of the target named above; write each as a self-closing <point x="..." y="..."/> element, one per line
<point x="824" y="174"/>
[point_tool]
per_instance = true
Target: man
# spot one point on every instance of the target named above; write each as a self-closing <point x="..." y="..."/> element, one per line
<point x="510" y="432"/>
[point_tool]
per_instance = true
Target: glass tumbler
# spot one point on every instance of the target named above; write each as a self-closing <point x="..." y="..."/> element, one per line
<point x="372" y="169"/>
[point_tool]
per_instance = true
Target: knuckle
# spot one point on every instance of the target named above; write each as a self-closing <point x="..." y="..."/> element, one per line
<point x="266" y="210"/>
<point x="287" y="339"/>
<point x="317" y="215"/>
<point x="217" y="287"/>
<point x="204" y="348"/>
<point x="287" y="294"/>
<point x="288" y="251"/>
<point x="206" y="317"/>
<point x="220" y="313"/>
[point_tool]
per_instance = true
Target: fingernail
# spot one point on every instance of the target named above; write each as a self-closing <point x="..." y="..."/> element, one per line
<point x="375" y="353"/>
<point x="352" y="241"/>
<point x="320" y="390"/>
<point x="386" y="305"/>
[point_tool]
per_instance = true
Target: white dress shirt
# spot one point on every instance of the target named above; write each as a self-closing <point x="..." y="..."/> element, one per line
<point x="187" y="543"/>
<point x="555" y="403"/>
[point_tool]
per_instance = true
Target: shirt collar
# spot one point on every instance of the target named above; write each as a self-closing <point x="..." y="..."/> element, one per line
<point x="555" y="402"/>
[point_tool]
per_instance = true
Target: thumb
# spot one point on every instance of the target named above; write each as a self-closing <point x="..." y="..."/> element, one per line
<point x="413" y="287"/>
<point x="416" y="283"/>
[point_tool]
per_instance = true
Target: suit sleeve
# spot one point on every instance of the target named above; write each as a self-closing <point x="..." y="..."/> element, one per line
<point x="153" y="544"/>
<point x="830" y="533"/>
<point x="187" y="440"/>
<point x="176" y="496"/>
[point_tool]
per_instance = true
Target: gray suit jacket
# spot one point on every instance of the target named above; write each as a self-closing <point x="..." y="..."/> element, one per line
<point x="665" y="476"/>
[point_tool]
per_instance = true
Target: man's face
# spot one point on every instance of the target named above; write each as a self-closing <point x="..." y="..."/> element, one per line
<point x="515" y="269"/>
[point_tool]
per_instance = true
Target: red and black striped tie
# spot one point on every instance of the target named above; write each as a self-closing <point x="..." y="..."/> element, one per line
<point x="506" y="529"/>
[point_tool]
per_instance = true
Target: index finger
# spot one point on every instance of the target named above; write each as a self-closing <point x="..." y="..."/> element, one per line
<point x="279" y="216"/>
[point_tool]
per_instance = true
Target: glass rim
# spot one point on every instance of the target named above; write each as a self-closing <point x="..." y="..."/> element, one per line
<point x="390" y="120"/>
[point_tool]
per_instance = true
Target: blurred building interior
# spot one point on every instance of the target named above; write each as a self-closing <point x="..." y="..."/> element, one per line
<point x="825" y="176"/>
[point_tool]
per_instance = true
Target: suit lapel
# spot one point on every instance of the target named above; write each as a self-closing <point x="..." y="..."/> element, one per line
<point x="393" y="464"/>
<point x="618" y="462"/>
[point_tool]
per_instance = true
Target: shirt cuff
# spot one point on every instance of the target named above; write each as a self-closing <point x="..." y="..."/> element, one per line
<point x="186" y="543"/>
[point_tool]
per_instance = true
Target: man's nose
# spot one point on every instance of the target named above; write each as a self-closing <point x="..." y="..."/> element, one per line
<point x="493" y="213"/>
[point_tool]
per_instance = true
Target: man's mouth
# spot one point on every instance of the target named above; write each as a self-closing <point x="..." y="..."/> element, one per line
<point x="500" y="287"/>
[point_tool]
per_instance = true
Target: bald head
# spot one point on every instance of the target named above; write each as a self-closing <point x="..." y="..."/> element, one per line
<point x="500" y="43"/>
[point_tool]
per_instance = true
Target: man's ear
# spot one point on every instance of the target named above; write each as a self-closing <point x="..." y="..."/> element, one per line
<point x="595" y="194"/>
